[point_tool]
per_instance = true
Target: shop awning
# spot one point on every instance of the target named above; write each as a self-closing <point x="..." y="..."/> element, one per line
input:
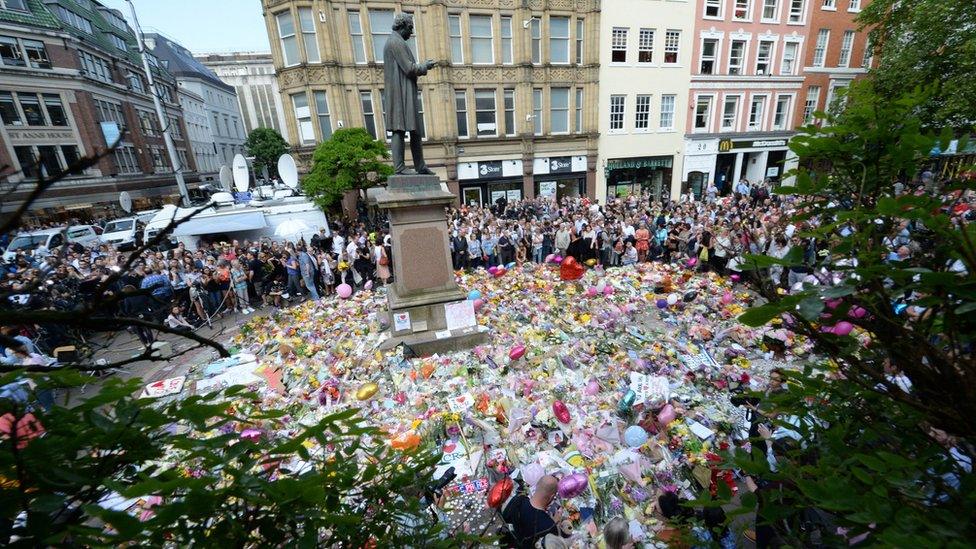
<point x="246" y="221"/>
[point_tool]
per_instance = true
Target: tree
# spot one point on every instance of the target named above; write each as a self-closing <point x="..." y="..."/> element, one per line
<point x="927" y="42"/>
<point x="871" y="456"/>
<point x="350" y="160"/>
<point x="231" y="468"/>
<point x="266" y="145"/>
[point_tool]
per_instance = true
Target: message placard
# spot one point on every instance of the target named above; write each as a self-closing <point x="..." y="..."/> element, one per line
<point x="460" y="314"/>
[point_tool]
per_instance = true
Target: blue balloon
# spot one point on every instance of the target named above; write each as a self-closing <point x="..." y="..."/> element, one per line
<point x="474" y="294"/>
<point x="510" y="265"/>
<point x="635" y="436"/>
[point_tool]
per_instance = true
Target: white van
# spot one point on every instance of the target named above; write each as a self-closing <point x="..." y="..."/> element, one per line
<point x="124" y="233"/>
<point x="44" y="241"/>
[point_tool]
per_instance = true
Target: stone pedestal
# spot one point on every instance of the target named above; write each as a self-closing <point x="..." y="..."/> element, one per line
<point x="422" y="268"/>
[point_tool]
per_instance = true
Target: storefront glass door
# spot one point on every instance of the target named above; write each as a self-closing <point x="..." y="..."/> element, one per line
<point x="472" y="196"/>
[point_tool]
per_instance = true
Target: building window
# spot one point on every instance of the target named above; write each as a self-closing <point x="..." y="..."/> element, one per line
<point x="506" y="24"/>
<point x="617" y="112"/>
<point x="369" y="121"/>
<point x="756" y="112"/>
<point x="95" y="67"/>
<point x="855" y="5"/>
<point x="8" y="110"/>
<point x="109" y="112"/>
<point x="461" y="108"/>
<point x="303" y="117"/>
<point x="289" y="42"/>
<point x="380" y="28"/>
<point x="73" y="19"/>
<point x="36" y="55"/>
<point x="49" y="160"/>
<point x="559" y="40"/>
<point x="510" y="112"/>
<point x="737" y="54"/>
<point x="135" y="82"/>
<point x="116" y="21"/>
<point x="31" y="105"/>
<point x="811" y="104"/>
<point x="215" y="129"/>
<point x="579" y="110"/>
<point x="579" y="41"/>
<point x="703" y="112"/>
<point x="645" y="46"/>
<point x="307" y="21"/>
<point x="322" y="110"/>
<point x="356" y="32"/>
<point x="730" y="112"/>
<point x="642" y="113"/>
<point x="667" y="112"/>
<point x="846" y="45"/>
<point x="830" y="4"/>
<point x="709" y="47"/>
<point x="770" y="10"/>
<point x="764" y="57"/>
<point x="618" y="45"/>
<point x="55" y="110"/>
<point x="559" y="110"/>
<point x="160" y="165"/>
<point x="181" y="155"/>
<point x="484" y="113"/>
<point x="820" y="51"/>
<point x="117" y="42"/>
<point x="148" y="123"/>
<point x="482" y="43"/>
<point x="741" y="10"/>
<point x="672" y="41"/>
<point x="781" y="114"/>
<point x="868" y="54"/>
<point x="174" y="127"/>
<point x="536" y="41"/>
<point x="125" y="160"/>
<point x="537" y="111"/>
<point x="454" y="31"/>
<point x="713" y="8"/>
<point x="10" y="53"/>
<point x="27" y="161"/>
<point x="797" y="9"/>
<point x="70" y="154"/>
<point x="788" y="66"/>
<point x="17" y="5"/>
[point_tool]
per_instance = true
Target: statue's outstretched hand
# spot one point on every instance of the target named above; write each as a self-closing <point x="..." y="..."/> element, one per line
<point x="430" y="63"/>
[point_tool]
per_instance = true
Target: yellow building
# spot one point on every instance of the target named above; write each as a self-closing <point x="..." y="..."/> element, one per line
<point x="510" y="110"/>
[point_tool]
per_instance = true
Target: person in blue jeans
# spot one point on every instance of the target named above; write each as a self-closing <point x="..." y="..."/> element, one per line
<point x="293" y="288"/>
<point x="307" y="267"/>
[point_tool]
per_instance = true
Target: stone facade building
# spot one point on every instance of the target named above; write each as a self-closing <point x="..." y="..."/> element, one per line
<point x="252" y="76"/>
<point x="511" y="109"/>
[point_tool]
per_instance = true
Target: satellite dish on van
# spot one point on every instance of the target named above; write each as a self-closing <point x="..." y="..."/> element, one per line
<point x="226" y="178"/>
<point x="288" y="170"/>
<point x="125" y="201"/>
<point x="242" y="176"/>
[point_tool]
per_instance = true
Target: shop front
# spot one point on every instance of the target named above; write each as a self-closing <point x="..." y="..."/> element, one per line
<point x="627" y="176"/>
<point x="560" y="177"/>
<point x="485" y="183"/>
<point x="756" y="160"/>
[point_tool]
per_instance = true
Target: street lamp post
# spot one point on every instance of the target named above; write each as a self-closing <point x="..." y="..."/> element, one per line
<point x="170" y="146"/>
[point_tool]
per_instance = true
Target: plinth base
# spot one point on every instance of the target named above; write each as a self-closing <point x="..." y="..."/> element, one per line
<point x="429" y="343"/>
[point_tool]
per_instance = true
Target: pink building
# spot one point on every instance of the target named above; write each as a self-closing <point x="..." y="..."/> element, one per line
<point x="745" y="85"/>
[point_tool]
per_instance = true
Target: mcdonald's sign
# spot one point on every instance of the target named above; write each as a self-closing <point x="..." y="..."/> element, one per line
<point x="725" y="145"/>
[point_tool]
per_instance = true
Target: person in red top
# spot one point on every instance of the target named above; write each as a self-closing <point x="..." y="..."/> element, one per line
<point x="643" y="237"/>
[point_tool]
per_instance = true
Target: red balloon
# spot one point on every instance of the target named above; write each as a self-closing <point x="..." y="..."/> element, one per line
<point x="499" y="492"/>
<point x="517" y="352"/>
<point x="560" y="411"/>
<point x="571" y="269"/>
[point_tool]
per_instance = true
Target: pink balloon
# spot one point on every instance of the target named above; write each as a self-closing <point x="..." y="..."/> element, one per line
<point x="727" y="298"/>
<point x="550" y="258"/>
<point x="608" y="290"/>
<point x="368" y="285"/>
<point x="857" y="312"/>
<point x="344" y="291"/>
<point x="592" y="388"/>
<point x="843" y="328"/>
<point x="517" y="352"/>
<point x="558" y="259"/>
<point x="493" y="269"/>
<point x="591" y="291"/>
<point x="478" y="304"/>
<point x="666" y="415"/>
<point x="735" y="277"/>
<point x="692" y="262"/>
<point x="832" y="303"/>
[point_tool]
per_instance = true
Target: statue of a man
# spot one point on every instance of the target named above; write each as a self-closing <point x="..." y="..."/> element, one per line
<point x="400" y="72"/>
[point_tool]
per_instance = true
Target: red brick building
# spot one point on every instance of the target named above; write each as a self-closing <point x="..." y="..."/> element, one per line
<point x="837" y="54"/>
<point x="71" y="84"/>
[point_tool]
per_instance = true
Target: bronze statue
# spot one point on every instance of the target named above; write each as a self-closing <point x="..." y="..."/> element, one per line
<point x="400" y="72"/>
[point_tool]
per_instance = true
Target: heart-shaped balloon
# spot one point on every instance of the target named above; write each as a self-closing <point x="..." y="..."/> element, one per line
<point x="499" y="492"/>
<point x="517" y="352"/>
<point x="560" y="411"/>
<point x="570" y="269"/>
